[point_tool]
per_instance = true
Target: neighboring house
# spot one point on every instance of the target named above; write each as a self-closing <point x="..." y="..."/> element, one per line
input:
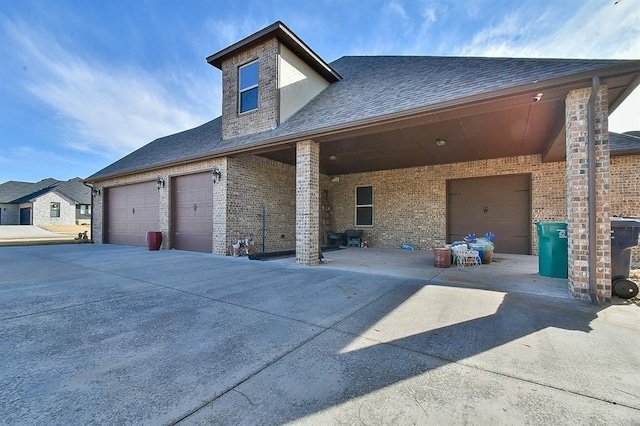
<point x="408" y="149"/>
<point x="48" y="202"/>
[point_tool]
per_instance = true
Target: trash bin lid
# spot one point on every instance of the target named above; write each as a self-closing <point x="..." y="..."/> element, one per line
<point x="620" y="222"/>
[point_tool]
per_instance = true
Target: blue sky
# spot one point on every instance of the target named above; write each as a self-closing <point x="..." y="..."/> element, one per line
<point x="85" y="82"/>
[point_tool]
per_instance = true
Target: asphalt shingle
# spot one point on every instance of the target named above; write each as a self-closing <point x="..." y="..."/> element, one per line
<point x="372" y="87"/>
<point x="15" y="192"/>
<point x="75" y="190"/>
<point x="622" y="143"/>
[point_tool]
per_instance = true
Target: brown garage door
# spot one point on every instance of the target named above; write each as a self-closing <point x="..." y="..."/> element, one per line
<point x="132" y="211"/>
<point x="500" y="204"/>
<point x="192" y="203"/>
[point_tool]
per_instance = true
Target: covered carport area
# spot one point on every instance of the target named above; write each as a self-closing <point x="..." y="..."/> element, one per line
<point x="408" y="158"/>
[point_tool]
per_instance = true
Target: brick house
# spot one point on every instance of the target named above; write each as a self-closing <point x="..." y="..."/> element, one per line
<point x="407" y="149"/>
<point x="48" y="202"/>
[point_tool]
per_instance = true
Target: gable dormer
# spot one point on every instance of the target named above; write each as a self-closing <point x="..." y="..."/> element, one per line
<point x="266" y="78"/>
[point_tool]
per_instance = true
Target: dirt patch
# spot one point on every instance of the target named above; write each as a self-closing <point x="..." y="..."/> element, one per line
<point x="68" y="229"/>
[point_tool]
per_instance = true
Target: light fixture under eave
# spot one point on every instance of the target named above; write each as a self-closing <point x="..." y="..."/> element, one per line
<point x="96" y="191"/>
<point x="216" y="174"/>
<point x="441" y="142"/>
<point x="160" y="183"/>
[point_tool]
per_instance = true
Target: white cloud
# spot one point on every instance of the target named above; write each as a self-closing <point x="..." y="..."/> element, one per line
<point x="595" y="30"/>
<point x="397" y="9"/>
<point x="224" y="33"/>
<point x="104" y="108"/>
<point x="429" y="15"/>
<point x="27" y="154"/>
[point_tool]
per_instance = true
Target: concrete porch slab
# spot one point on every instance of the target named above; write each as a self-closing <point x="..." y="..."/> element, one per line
<point x="507" y="272"/>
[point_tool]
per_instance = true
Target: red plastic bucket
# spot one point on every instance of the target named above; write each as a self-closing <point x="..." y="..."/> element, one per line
<point x="442" y="258"/>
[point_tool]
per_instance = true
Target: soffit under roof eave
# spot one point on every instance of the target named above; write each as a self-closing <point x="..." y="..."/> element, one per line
<point x="289" y="39"/>
<point x="615" y="103"/>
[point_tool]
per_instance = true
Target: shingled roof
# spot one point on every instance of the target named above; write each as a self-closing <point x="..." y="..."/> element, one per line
<point x="74" y="190"/>
<point x="16" y="192"/>
<point x="372" y="88"/>
<point x="623" y="144"/>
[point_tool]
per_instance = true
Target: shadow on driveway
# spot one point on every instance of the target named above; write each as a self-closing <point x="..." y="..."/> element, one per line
<point x="163" y="337"/>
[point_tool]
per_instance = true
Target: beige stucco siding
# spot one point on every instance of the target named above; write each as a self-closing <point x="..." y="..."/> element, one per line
<point x="298" y="83"/>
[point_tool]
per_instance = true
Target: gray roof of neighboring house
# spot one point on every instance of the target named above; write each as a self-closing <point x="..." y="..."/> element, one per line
<point x="623" y="143"/>
<point x="75" y="190"/>
<point x="372" y="87"/>
<point x="15" y="192"/>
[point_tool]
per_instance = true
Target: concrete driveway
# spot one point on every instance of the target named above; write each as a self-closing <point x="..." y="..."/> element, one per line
<point x="118" y="335"/>
<point x="26" y="232"/>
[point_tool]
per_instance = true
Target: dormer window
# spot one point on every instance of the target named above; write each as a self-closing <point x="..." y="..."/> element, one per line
<point x="248" y="87"/>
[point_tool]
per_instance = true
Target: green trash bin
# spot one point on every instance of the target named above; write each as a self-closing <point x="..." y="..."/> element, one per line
<point x="553" y="256"/>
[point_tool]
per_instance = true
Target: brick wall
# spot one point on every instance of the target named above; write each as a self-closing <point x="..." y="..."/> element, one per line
<point x="166" y="174"/>
<point x="406" y="202"/>
<point x="307" y="202"/>
<point x="625" y="190"/>
<point x="267" y="114"/>
<point x="219" y="211"/>
<point x="410" y="204"/>
<point x="577" y="189"/>
<point x="247" y="183"/>
<point x="323" y="230"/>
<point x="41" y="213"/>
<point x="256" y="181"/>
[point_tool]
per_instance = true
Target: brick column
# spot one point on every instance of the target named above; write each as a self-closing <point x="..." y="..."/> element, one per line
<point x="164" y="206"/>
<point x="577" y="193"/>
<point x="220" y="210"/>
<point x="307" y="202"/>
<point x="97" y="215"/>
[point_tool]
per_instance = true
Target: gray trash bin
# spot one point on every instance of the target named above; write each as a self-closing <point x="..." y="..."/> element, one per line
<point x="624" y="236"/>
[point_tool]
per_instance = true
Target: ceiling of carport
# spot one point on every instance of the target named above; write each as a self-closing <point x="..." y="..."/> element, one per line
<point x="507" y="126"/>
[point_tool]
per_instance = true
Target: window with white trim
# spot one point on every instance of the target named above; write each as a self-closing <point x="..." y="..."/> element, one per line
<point x="364" y="206"/>
<point x="55" y="210"/>
<point x="85" y="208"/>
<point x="248" y="87"/>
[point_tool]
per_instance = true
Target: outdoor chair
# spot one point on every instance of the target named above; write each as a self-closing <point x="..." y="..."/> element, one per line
<point x="466" y="257"/>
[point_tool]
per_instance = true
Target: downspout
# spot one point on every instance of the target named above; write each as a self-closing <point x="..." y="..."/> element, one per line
<point x="92" y="195"/>
<point x="591" y="159"/>
<point x="264" y="228"/>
